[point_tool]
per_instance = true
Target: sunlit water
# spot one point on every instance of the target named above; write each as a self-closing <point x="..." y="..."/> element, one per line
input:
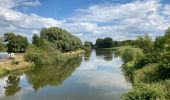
<point x="95" y="76"/>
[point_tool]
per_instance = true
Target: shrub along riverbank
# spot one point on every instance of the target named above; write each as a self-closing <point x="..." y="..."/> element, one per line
<point x="147" y="65"/>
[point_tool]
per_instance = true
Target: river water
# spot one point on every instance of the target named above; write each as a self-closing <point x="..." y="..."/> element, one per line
<point x="94" y="76"/>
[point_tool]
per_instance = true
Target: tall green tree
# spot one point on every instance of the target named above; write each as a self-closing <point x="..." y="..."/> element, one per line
<point x="15" y="43"/>
<point x="104" y="43"/>
<point x="99" y="43"/>
<point x="64" y="40"/>
<point x="107" y="42"/>
<point x="37" y="41"/>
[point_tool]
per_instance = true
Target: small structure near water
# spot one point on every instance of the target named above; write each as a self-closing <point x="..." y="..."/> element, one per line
<point x="5" y="55"/>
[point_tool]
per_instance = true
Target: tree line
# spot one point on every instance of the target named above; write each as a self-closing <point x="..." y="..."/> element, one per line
<point x="60" y="38"/>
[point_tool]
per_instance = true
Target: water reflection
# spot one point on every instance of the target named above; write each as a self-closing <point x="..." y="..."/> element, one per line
<point x="52" y="74"/>
<point x="87" y="55"/>
<point x="96" y="76"/>
<point x="12" y="85"/>
<point x="106" y="54"/>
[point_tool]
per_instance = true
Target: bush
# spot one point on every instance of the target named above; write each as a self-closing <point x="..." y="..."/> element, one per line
<point x="164" y="67"/>
<point x="153" y="57"/>
<point x="143" y="91"/>
<point x="128" y="70"/>
<point x="129" y="53"/>
<point x="42" y="56"/>
<point x="147" y="74"/>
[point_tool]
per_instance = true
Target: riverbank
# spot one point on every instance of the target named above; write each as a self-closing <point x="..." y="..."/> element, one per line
<point x="19" y="63"/>
<point x="9" y="65"/>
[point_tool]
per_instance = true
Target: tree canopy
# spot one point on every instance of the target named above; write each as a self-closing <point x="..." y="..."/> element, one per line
<point x="15" y="43"/>
<point x="104" y="43"/>
<point x="64" y="40"/>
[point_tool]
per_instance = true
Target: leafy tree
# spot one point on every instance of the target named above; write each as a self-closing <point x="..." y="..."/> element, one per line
<point x="164" y="67"/>
<point x="9" y="36"/>
<point x="159" y="43"/>
<point x="37" y="41"/>
<point x="145" y="42"/>
<point x="107" y="42"/>
<point x="87" y="46"/>
<point x="104" y="43"/>
<point x="64" y="40"/>
<point x="99" y="43"/>
<point x="15" y="43"/>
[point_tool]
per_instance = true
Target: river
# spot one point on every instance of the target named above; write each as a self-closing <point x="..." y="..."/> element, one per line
<point x="94" y="76"/>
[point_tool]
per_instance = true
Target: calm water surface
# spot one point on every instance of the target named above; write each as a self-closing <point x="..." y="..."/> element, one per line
<point x="94" y="76"/>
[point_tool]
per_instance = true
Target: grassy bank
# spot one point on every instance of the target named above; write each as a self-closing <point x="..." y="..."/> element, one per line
<point x="10" y="65"/>
<point x="20" y="63"/>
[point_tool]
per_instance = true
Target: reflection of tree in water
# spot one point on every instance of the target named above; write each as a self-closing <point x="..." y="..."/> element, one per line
<point x="87" y="55"/>
<point x="52" y="74"/>
<point x="12" y="85"/>
<point x="107" y="54"/>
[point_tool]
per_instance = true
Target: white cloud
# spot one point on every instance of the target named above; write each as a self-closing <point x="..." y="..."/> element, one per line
<point x="119" y="21"/>
<point x="124" y="21"/>
<point x="32" y="3"/>
<point x="22" y="23"/>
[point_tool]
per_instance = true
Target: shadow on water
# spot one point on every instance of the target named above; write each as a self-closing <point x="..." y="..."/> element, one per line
<point x="52" y="75"/>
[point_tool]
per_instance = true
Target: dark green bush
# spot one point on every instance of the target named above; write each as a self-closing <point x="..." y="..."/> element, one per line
<point x="153" y="57"/>
<point x="164" y="67"/>
<point x="143" y="91"/>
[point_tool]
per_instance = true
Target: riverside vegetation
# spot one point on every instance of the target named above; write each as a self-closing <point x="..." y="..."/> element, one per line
<point x="52" y="46"/>
<point x="146" y="62"/>
<point x="146" y="65"/>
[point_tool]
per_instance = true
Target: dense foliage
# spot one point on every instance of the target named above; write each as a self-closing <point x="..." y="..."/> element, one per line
<point x="15" y="43"/>
<point x="2" y="45"/>
<point x="104" y="43"/>
<point x="87" y="46"/>
<point x="150" y="72"/>
<point x="48" y="47"/>
<point x="63" y="40"/>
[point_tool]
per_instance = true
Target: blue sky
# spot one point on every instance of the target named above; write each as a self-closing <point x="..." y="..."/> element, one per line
<point x="61" y="9"/>
<point x="88" y="19"/>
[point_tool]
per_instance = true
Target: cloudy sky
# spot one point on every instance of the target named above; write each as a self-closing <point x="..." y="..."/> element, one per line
<point x="88" y="19"/>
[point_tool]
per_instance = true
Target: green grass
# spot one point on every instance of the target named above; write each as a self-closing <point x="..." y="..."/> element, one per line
<point x="2" y="72"/>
